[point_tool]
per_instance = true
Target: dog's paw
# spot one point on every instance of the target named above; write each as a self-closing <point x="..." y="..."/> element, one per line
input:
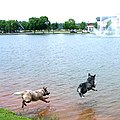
<point x="46" y="97"/>
<point x="48" y="101"/>
<point x="83" y="97"/>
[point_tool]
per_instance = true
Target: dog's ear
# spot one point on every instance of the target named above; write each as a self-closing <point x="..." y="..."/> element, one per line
<point x="94" y="75"/>
<point x="44" y="88"/>
<point x="89" y="74"/>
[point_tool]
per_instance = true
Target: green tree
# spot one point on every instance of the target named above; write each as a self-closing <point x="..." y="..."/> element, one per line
<point x="34" y="24"/>
<point x="2" y="25"/>
<point x="44" y="23"/>
<point x="25" y="25"/>
<point x="96" y="25"/>
<point x="11" y="26"/>
<point x="70" y="24"/>
<point x="54" y="26"/>
<point x="83" y="26"/>
<point x="15" y="26"/>
<point x="66" y="25"/>
<point x="8" y="26"/>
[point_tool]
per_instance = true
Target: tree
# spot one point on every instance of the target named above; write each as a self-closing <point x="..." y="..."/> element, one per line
<point x="2" y="25"/>
<point x="11" y="26"/>
<point x="96" y="25"/>
<point x="34" y="24"/>
<point x="83" y="25"/>
<point x="25" y="25"/>
<point x="66" y="25"/>
<point x="8" y="26"/>
<point x="54" y="26"/>
<point x="70" y="24"/>
<point x="15" y="25"/>
<point x="44" y="23"/>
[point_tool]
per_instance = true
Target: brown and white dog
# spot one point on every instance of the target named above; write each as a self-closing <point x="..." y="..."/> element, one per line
<point x="29" y="95"/>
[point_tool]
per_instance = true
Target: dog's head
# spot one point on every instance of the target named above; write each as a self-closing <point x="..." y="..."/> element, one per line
<point x="45" y="91"/>
<point x="91" y="79"/>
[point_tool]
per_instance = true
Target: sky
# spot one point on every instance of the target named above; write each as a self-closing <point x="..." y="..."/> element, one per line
<point x="58" y="10"/>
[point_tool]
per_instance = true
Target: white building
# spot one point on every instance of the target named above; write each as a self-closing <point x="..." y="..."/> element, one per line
<point x="110" y="24"/>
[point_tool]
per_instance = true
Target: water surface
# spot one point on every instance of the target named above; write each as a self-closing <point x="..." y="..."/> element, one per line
<point x="61" y="62"/>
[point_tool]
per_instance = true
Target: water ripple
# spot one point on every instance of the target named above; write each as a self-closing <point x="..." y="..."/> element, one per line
<point x="61" y="62"/>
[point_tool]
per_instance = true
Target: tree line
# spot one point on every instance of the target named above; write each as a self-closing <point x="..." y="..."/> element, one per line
<point x="39" y="24"/>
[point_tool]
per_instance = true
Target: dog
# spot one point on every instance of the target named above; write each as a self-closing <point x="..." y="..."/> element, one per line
<point x="29" y="95"/>
<point x="90" y="84"/>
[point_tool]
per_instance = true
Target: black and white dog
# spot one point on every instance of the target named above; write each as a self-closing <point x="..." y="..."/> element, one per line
<point x="86" y="86"/>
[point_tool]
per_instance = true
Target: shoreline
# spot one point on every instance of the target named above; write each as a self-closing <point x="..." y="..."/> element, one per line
<point x="44" y="33"/>
<point x="7" y="114"/>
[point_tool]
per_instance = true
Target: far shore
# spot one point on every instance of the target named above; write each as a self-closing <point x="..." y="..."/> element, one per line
<point x="45" y="32"/>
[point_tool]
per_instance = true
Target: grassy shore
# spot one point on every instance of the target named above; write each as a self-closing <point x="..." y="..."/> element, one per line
<point x="6" y="114"/>
<point x="9" y="115"/>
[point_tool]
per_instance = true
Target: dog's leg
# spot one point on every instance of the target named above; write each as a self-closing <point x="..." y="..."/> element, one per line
<point x="44" y="100"/>
<point x="81" y="95"/>
<point x="94" y="89"/>
<point x="23" y="103"/>
<point x="45" y="97"/>
<point x="79" y="91"/>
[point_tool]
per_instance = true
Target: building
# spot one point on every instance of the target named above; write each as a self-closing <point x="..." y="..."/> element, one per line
<point x="90" y="27"/>
<point x="109" y="24"/>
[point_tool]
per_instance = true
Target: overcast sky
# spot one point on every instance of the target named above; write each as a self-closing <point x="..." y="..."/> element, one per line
<point x="58" y="10"/>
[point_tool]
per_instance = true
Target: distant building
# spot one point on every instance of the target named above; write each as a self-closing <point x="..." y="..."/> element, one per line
<point x="103" y="21"/>
<point x="109" y="23"/>
<point x="90" y="27"/>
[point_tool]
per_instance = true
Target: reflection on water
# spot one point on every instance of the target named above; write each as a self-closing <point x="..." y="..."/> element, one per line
<point x="88" y="114"/>
<point x="61" y="62"/>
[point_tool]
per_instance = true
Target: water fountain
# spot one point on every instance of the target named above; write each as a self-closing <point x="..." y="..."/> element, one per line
<point x="108" y="26"/>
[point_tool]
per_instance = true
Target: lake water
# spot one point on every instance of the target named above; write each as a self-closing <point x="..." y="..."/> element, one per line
<point x="61" y="62"/>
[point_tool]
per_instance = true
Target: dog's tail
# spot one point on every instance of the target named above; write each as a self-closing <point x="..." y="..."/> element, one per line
<point x="79" y="91"/>
<point x="19" y="93"/>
